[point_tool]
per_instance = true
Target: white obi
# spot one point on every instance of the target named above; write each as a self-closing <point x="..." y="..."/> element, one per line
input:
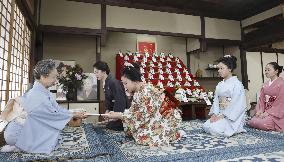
<point x="224" y="102"/>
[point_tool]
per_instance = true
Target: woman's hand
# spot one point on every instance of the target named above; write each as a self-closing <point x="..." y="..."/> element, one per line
<point x="106" y="117"/>
<point x="258" y="114"/>
<point x="213" y="118"/>
<point x="80" y="115"/>
<point x="114" y="115"/>
<point x="263" y="115"/>
<point x="221" y="117"/>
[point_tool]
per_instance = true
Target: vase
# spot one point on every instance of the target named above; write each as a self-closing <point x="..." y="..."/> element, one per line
<point x="71" y="94"/>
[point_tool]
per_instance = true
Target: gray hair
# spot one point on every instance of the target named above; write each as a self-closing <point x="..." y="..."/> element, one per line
<point x="43" y="68"/>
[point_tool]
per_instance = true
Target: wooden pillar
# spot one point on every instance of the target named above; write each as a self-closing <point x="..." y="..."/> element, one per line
<point x="33" y="49"/>
<point x="98" y="58"/>
<point x="203" y="46"/>
<point x="103" y="24"/>
<point x="243" y="61"/>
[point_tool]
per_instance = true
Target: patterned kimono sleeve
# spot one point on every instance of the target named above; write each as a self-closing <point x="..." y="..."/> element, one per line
<point x="277" y="108"/>
<point x="144" y="106"/>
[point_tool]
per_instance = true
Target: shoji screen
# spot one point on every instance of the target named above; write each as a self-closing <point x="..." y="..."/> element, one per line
<point x="15" y="42"/>
<point x="281" y="62"/>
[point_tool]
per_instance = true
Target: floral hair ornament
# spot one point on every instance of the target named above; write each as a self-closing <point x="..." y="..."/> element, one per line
<point x="128" y="64"/>
<point x="227" y="56"/>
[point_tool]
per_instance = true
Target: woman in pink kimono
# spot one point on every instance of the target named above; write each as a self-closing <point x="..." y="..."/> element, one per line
<point x="153" y="118"/>
<point x="270" y="106"/>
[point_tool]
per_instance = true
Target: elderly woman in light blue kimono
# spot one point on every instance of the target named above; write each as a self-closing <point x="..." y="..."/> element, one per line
<point x="229" y="105"/>
<point x="38" y="127"/>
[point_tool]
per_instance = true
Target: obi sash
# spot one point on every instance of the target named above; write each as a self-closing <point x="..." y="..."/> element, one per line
<point x="224" y="102"/>
<point x="269" y="101"/>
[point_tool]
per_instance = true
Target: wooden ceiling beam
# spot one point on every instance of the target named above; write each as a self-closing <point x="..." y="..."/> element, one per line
<point x="265" y="49"/>
<point x="197" y="10"/>
<point x="112" y="29"/>
<point x="69" y="30"/>
<point x="264" y="36"/>
<point x="266" y="22"/>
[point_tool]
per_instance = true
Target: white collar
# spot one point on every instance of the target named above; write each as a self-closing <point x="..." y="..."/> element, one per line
<point x="270" y="82"/>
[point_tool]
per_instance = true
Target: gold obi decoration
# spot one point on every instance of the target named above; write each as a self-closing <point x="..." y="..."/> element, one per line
<point x="224" y="102"/>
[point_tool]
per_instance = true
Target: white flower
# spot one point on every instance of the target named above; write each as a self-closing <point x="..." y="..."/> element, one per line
<point x="128" y="64"/>
<point x="78" y="77"/>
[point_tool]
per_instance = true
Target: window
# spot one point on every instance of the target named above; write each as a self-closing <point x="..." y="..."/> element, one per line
<point x="15" y="42"/>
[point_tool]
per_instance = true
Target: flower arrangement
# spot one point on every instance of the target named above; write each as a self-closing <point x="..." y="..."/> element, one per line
<point x="166" y="72"/>
<point x="71" y="79"/>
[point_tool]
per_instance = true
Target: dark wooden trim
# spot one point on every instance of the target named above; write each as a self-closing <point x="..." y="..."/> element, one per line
<point x="32" y="55"/>
<point x="264" y="36"/>
<point x="39" y="46"/>
<point x="33" y="41"/>
<point x="152" y="32"/>
<point x="257" y="10"/>
<point x="202" y="21"/>
<point x="277" y="57"/>
<point x="103" y="24"/>
<point x="103" y="16"/>
<point x="83" y="101"/>
<point x="261" y="62"/>
<point x="203" y="43"/>
<point x="98" y="58"/>
<point x="266" y="49"/>
<point x="265" y="22"/>
<point x="98" y="48"/>
<point x="187" y="55"/>
<point x="222" y="42"/>
<point x="194" y="51"/>
<point x="244" y="68"/>
<point x="23" y="6"/>
<point x="89" y="1"/>
<point x="243" y="58"/>
<point x="39" y="13"/>
<point x="69" y="30"/>
<point x="137" y="5"/>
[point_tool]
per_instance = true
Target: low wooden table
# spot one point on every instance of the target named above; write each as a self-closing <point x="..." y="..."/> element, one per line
<point x="201" y="106"/>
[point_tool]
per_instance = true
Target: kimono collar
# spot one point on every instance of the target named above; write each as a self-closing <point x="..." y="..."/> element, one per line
<point x="271" y="81"/>
<point x="39" y="86"/>
<point x="231" y="78"/>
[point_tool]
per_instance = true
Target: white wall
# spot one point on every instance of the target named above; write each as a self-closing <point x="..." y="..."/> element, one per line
<point x="82" y="49"/>
<point x="192" y="44"/>
<point x="202" y="60"/>
<point x="262" y="16"/>
<point x="130" y="18"/>
<point x="70" y="14"/>
<point x="222" y="29"/>
<point x="254" y="71"/>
